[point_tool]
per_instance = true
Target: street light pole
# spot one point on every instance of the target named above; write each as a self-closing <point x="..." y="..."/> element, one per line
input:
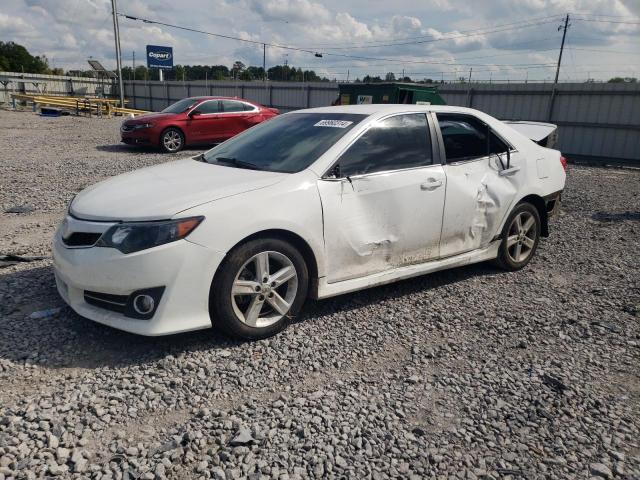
<point x="116" y="33"/>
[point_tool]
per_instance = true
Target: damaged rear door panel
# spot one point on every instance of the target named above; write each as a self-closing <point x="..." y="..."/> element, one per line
<point x="480" y="187"/>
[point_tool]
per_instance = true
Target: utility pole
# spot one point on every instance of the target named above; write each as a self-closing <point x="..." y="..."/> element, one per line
<point x="564" y="35"/>
<point x="134" y="64"/>
<point x="116" y="33"/>
<point x="470" y="70"/>
<point x="264" y="62"/>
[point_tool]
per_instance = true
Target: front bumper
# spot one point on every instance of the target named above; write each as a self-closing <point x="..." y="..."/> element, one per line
<point x="185" y="269"/>
<point x="144" y="136"/>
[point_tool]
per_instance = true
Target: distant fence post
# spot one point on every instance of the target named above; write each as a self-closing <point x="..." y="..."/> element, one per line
<point x="308" y="96"/>
<point x="271" y="95"/>
<point x="470" y="97"/>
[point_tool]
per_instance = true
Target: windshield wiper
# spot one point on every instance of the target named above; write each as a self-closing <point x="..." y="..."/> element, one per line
<point x="238" y="163"/>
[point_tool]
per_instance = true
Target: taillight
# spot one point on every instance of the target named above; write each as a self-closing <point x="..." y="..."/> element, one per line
<point x="563" y="161"/>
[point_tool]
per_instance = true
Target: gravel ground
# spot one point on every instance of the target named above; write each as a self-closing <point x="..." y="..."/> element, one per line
<point x="469" y="373"/>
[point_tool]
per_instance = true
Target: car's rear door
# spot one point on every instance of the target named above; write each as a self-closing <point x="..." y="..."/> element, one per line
<point x="237" y="116"/>
<point x="479" y="190"/>
<point x="383" y="205"/>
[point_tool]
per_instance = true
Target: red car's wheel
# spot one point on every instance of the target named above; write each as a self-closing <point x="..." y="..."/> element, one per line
<point x="171" y="140"/>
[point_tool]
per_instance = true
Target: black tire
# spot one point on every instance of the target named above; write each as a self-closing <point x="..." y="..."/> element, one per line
<point x="507" y="258"/>
<point x="171" y="140"/>
<point x="222" y="308"/>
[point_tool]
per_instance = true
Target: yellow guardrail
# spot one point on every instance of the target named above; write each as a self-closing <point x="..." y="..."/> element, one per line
<point x="91" y="105"/>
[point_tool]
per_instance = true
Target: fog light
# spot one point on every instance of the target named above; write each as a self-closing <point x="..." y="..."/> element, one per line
<point x="143" y="304"/>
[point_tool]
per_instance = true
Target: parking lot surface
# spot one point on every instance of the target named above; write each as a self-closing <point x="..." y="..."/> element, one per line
<point x="469" y="373"/>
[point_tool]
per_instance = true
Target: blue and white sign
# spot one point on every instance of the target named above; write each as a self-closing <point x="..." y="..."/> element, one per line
<point x="159" y="57"/>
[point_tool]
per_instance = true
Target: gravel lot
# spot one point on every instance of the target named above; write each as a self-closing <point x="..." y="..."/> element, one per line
<point x="468" y="373"/>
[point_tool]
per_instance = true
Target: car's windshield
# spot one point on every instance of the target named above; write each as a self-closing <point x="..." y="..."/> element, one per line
<point x="288" y="143"/>
<point x="181" y="106"/>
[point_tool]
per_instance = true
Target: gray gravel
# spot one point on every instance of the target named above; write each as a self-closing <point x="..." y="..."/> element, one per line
<point x="470" y="373"/>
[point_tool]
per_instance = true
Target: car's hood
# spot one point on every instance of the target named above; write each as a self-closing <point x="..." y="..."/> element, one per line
<point x="159" y="192"/>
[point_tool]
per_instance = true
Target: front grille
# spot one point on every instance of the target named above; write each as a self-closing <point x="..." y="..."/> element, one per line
<point x="81" y="239"/>
<point x="115" y="303"/>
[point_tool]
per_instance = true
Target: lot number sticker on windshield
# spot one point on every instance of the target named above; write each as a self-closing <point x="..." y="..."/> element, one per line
<point x="333" y="123"/>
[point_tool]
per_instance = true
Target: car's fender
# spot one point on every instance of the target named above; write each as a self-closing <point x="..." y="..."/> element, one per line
<point x="292" y="205"/>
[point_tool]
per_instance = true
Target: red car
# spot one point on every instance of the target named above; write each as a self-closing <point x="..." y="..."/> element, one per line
<point x="194" y="121"/>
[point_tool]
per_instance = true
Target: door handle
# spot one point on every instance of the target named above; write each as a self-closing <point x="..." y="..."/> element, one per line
<point x="431" y="184"/>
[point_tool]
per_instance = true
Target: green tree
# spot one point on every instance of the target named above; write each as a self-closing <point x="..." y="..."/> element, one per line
<point x="623" y="80"/>
<point x="16" y="58"/>
<point x="390" y="77"/>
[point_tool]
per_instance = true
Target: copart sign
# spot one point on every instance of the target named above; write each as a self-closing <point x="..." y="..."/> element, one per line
<point x="159" y="57"/>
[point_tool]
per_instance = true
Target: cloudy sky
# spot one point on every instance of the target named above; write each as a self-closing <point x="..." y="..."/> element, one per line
<point x="498" y="39"/>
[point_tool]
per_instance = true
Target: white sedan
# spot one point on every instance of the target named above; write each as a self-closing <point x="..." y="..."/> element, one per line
<point x="313" y="203"/>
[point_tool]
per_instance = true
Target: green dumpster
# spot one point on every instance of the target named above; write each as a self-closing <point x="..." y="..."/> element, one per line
<point x="407" y="93"/>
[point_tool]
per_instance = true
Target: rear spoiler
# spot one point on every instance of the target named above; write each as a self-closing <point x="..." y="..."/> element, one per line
<point x="544" y="134"/>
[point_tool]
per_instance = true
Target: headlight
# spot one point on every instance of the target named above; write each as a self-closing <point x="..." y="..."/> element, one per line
<point x="133" y="237"/>
<point x="140" y="126"/>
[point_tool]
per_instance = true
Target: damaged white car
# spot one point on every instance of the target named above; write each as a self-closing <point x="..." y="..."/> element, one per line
<point x="313" y="203"/>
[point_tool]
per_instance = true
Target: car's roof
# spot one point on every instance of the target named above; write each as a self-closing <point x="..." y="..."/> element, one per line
<point x="377" y="108"/>
<point x="218" y="97"/>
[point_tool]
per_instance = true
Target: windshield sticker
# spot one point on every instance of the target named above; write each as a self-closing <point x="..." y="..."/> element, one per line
<point x="333" y="123"/>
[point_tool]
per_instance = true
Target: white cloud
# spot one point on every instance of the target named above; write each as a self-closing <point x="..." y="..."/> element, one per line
<point x="71" y="30"/>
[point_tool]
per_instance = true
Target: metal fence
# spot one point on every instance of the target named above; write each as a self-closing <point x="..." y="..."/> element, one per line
<point x="11" y="82"/>
<point x="597" y="121"/>
<point x="285" y="96"/>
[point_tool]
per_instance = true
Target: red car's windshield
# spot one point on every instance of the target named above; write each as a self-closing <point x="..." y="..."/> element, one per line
<point x="181" y="106"/>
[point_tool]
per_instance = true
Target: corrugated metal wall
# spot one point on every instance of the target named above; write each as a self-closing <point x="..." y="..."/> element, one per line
<point x="285" y="96"/>
<point x="595" y="120"/>
<point x="599" y="120"/>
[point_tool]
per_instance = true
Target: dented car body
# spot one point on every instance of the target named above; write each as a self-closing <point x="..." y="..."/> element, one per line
<point x="314" y="203"/>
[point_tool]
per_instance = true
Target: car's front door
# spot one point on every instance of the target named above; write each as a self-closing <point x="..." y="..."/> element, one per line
<point x="204" y="124"/>
<point x="383" y="204"/>
<point x="479" y="189"/>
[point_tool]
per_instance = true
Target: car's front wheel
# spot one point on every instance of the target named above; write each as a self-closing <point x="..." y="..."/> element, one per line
<point x="520" y="237"/>
<point x="171" y="140"/>
<point x="261" y="285"/>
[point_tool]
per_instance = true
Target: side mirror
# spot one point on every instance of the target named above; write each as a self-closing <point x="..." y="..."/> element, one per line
<point x="336" y="171"/>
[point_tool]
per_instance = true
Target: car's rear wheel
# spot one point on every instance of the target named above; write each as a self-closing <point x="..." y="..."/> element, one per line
<point x="171" y="140"/>
<point x="261" y="285"/>
<point x="520" y="237"/>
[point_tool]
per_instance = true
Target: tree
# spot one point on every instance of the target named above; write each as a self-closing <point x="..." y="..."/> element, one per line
<point x="623" y="80"/>
<point x="16" y="58"/>
<point x="238" y="67"/>
<point x="390" y="77"/>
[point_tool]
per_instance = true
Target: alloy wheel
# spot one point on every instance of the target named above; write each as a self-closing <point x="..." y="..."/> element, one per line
<point x="172" y="140"/>
<point x="264" y="289"/>
<point x="522" y="237"/>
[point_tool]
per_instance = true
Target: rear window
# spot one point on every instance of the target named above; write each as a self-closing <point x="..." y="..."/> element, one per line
<point x="287" y="143"/>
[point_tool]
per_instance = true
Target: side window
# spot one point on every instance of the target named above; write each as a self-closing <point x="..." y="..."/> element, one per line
<point x="496" y="145"/>
<point x="211" y="106"/>
<point x="247" y="107"/>
<point x="465" y="137"/>
<point x="232" y="106"/>
<point x="398" y="142"/>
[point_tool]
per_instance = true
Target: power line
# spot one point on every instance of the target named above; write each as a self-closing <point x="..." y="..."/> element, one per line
<point x="442" y="39"/>
<point x="605" y="21"/>
<point x="305" y="50"/>
<point x="552" y="18"/>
